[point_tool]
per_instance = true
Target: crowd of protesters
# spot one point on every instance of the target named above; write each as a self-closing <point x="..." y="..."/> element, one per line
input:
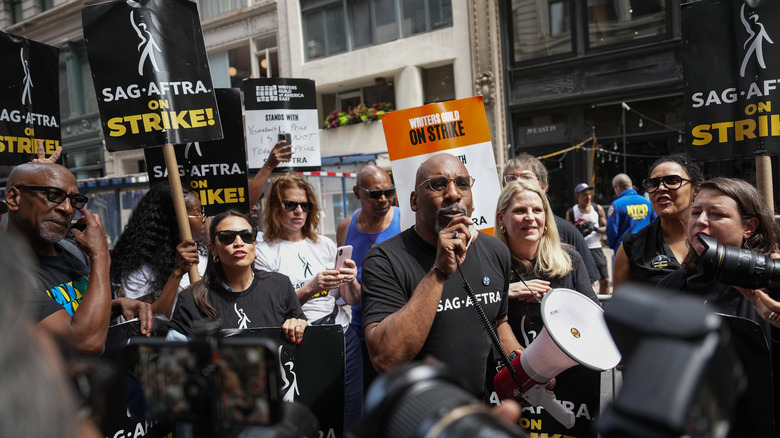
<point x="388" y="296"/>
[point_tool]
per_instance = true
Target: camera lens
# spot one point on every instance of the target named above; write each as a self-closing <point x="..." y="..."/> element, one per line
<point x="417" y="400"/>
<point x="738" y="267"/>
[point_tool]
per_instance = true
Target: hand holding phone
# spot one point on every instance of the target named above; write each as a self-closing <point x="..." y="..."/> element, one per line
<point x="343" y="254"/>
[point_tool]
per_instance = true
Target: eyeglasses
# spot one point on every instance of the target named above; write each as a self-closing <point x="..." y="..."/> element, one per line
<point x="377" y="194"/>
<point x="58" y="196"/>
<point x="201" y="216"/>
<point x="512" y="177"/>
<point x="226" y="237"/>
<point x="440" y="183"/>
<point x="292" y="206"/>
<point x="672" y="182"/>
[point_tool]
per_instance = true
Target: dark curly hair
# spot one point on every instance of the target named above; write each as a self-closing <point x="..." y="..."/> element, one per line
<point x="693" y="171"/>
<point x="149" y="238"/>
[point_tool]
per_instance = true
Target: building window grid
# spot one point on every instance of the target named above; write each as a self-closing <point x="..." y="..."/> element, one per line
<point x="347" y="9"/>
<point x="581" y="31"/>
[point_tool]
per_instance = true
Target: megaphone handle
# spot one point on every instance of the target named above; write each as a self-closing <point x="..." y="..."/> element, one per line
<point x="488" y="328"/>
<point x="539" y="396"/>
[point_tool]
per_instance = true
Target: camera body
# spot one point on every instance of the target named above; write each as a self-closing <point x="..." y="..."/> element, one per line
<point x="584" y="226"/>
<point x="220" y="383"/>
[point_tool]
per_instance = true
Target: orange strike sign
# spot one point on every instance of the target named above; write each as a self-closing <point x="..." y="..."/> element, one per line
<point x="458" y="127"/>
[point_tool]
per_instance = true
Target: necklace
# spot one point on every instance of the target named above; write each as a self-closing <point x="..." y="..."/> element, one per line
<point x="370" y="236"/>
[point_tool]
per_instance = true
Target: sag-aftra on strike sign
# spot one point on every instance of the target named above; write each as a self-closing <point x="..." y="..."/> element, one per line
<point x="151" y="74"/>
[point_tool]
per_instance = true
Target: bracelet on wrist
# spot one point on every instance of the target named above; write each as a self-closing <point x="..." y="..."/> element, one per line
<point x="440" y="270"/>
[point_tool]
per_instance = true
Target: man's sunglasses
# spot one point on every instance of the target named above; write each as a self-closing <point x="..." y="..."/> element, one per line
<point x="58" y="196"/>
<point x="377" y="194"/>
<point x="672" y="182"/>
<point x="227" y="237"/>
<point x="440" y="183"/>
<point x="292" y="206"/>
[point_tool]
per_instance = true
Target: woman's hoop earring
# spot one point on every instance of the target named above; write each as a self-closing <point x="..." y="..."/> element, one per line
<point x="502" y="229"/>
<point x="215" y="259"/>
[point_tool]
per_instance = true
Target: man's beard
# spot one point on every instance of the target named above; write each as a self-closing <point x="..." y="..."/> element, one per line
<point x="447" y="210"/>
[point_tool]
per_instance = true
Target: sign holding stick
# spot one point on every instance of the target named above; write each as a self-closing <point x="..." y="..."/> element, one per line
<point x="29" y="99"/>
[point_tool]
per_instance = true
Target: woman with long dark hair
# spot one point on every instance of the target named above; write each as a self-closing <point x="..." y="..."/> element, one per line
<point x="232" y="291"/>
<point x="150" y="262"/>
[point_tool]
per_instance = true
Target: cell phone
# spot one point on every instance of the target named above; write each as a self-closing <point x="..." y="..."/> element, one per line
<point x="342" y="254"/>
<point x="186" y="381"/>
<point x="285" y="137"/>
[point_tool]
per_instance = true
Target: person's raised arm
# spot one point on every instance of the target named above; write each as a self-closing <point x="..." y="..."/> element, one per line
<point x="602" y="228"/>
<point x="186" y="256"/>
<point x="399" y="337"/>
<point x="42" y="154"/>
<point x="279" y="153"/>
<point x="341" y="230"/>
<point x="89" y="325"/>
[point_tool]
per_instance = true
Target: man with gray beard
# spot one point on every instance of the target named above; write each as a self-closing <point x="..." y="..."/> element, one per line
<point x="414" y="303"/>
<point x="74" y="300"/>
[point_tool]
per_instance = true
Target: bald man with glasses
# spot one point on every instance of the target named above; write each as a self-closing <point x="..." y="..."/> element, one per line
<point x="73" y="259"/>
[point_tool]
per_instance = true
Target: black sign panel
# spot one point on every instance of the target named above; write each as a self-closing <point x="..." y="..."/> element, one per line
<point x="29" y="98"/>
<point x="151" y="73"/>
<point x="731" y="61"/>
<point x="213" y="170"/>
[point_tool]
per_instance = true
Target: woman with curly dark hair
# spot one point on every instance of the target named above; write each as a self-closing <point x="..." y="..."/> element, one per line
<point x="651" y="253"/>
<point x="233" y="292"/>
<point x="150" y="262"/>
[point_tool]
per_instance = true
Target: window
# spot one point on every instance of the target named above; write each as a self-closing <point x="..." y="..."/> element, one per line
<point x="16" y="11"/>
<point x="438" y="84"/>
<point x="552" y="28"/>
<point x="336" y="26"/>
<point x="616" y="21"/>
<point x="45" y="5"/>
<point x="381" y="92"/>
<point x="541" y="31"/>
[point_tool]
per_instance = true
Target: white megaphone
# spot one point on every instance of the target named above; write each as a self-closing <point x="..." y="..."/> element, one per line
<point x="574" y="332"/>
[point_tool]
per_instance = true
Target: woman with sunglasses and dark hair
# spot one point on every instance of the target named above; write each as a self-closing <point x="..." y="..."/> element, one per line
<point x="150" y="262"/>
<point x="232" y="291"/>
<point x="290" y="245"/>
<point x="650" y="254"/>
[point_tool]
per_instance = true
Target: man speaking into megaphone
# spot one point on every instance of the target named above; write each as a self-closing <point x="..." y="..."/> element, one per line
<point x="414" y="302"/>
<point x="542" y="264"/>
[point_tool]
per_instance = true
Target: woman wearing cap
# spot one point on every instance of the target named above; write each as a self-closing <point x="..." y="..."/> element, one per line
<point x="656" y="250"/>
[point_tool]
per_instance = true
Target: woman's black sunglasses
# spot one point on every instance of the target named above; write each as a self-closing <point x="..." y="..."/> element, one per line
<point x="291" y="205"/>
<point x="226" y="237"/>
<point x="672" y="182"/>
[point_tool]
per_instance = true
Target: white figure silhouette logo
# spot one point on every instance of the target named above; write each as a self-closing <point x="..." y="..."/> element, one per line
<point x="754" y="44"/>
<point x="146" y="47"/>
<point x="242" y="318"/>
<point x="290" y="388"/>
<point x="195" y="145"/>
<point x="26" y="96"/>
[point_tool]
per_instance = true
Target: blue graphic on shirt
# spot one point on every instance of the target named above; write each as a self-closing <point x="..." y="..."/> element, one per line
<point x="69" y="295"/>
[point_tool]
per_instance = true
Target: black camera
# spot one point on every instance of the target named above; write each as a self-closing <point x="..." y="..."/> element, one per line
<point x="584" y="226"/>
<point x="420" y="400"/>
<point x="738" y="267"/>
